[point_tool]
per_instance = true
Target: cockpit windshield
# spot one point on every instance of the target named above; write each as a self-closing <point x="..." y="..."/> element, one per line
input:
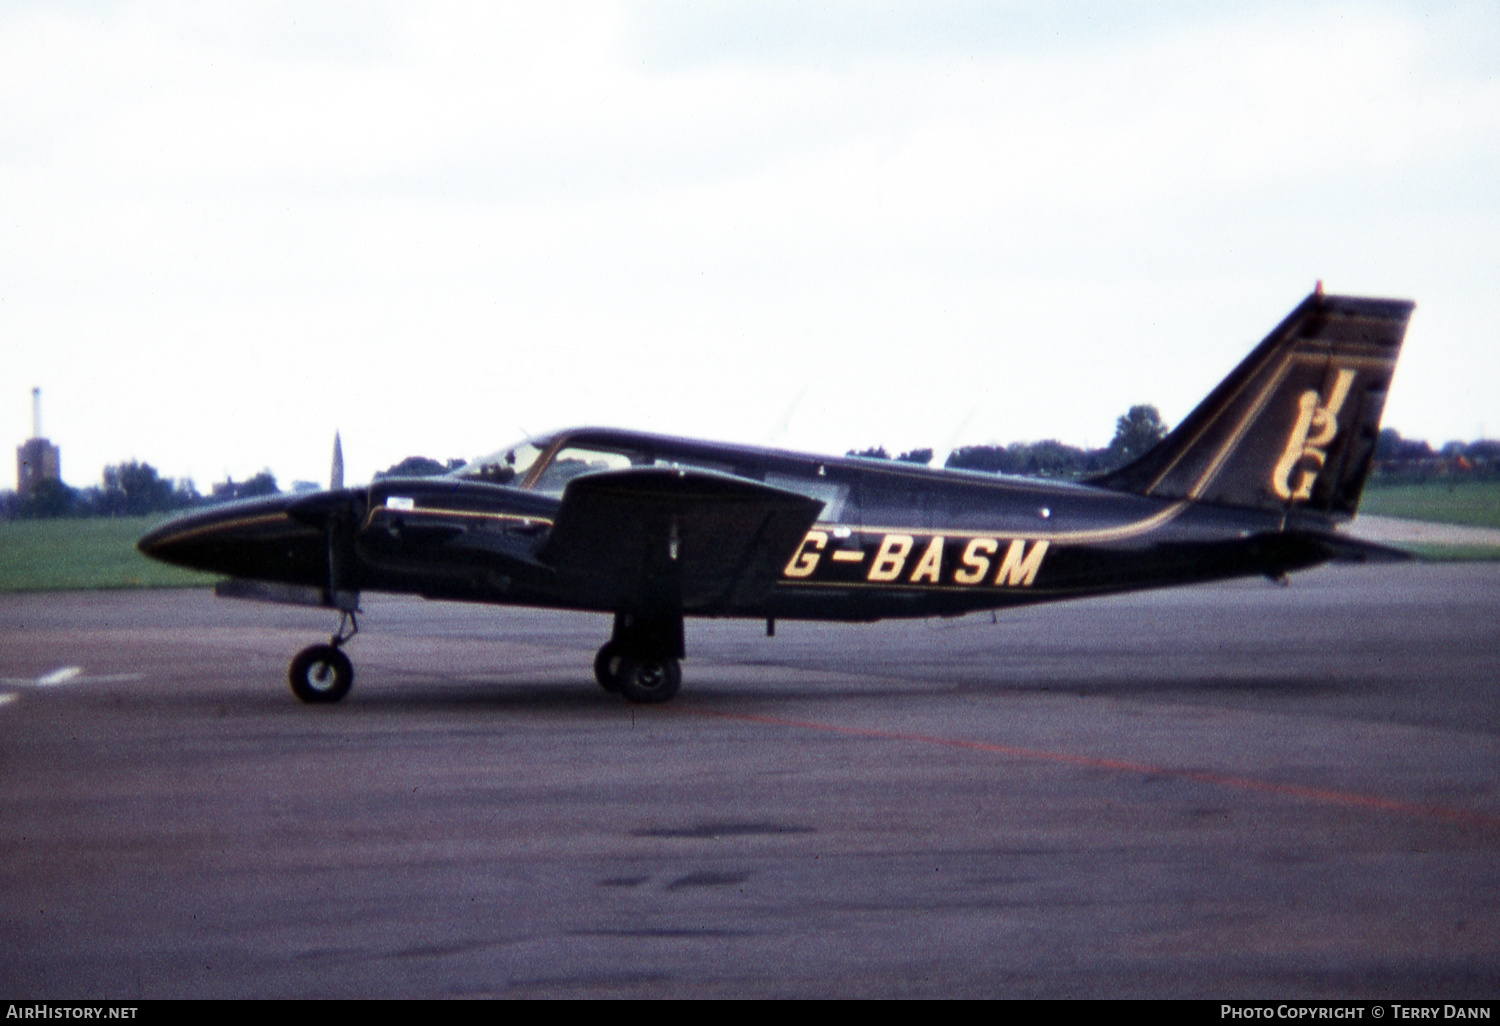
<point x="574" y="454"/>
<point x="508" y="466"/>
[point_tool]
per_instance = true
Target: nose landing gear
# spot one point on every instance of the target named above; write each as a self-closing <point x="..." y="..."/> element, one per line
<point x="323" y="673"/>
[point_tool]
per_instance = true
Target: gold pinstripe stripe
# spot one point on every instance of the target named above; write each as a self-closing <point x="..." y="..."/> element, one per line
<point x="1096" y="534"/>
<point x="1276" y="377"/>
<point x="471" y="514"/>
<point x="1238" y="434"/>
<point x="225" y="525"/>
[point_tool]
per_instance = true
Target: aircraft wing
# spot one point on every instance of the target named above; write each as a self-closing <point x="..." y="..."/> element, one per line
<point x="661" y="539"/>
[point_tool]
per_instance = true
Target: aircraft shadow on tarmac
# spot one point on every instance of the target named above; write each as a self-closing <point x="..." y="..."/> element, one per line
<point x="499" y="693"/>
<point x="538" y="696"/>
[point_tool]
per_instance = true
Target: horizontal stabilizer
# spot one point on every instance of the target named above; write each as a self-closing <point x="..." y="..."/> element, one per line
<point x="666" y="540"/>
<point x="1343" y="549"/>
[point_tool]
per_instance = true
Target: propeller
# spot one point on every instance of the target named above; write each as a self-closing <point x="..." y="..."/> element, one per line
<point x="336" y="475"/>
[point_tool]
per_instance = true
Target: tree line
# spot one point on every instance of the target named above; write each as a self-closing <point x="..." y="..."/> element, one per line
<point x="135" y="488"/>
<point x="1412" y="461"/>
<point x="1136" y="431"/>
<point x="128" y="489"/>
<point x="1396" y="460"/>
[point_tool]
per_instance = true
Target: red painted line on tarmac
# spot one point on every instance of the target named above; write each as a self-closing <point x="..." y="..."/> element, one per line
<point x="1317" y="794"/>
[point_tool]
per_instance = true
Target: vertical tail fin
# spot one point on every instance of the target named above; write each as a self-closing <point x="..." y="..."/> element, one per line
<point x="1295" y="424"/>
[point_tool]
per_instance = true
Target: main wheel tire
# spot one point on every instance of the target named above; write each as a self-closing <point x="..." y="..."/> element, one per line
<point x="321" y="673"/>
<point x="607" y="667"/>
<point x="648" y="680"/>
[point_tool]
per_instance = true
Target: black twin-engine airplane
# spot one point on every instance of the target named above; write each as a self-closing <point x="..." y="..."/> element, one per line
<point x="655" y="529"/>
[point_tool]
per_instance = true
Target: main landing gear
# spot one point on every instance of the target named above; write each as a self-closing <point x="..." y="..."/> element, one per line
<point x="637" y="678"/>
<point x="322" y="673"/>
<point x="640" y="663"/>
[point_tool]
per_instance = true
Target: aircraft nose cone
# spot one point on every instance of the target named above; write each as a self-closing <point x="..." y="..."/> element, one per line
<point x="255" y="538"/>
<point x="154" y="543"/>
<point x="168" y="543"/>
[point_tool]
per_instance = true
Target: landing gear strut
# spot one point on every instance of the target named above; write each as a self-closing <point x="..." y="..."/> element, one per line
<point x="640" y="662"/>
<point x="322" y="673"/>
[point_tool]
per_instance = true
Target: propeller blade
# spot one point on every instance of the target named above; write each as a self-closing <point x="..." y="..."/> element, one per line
<point x="336" y="476"/>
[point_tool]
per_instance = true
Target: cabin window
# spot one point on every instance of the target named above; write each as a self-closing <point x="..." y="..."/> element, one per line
<point x="832" y="494"/>
<point x="694" y="463"/>
<point x="891" y="501"/>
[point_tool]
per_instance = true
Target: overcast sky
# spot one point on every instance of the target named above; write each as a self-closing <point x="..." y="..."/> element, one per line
<point x="228" y="230"/>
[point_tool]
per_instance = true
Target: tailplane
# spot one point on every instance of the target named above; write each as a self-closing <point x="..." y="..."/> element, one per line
<point x="1295" y="424"/>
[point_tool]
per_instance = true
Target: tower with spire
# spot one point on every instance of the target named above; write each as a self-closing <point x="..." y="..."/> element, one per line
<point x="37" y="459"/>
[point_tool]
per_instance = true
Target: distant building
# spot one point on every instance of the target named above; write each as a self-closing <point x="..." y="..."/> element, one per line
<point x="37" y="459"/>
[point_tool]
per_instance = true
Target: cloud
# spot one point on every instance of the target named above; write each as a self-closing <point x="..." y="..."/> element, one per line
<point x="434" y="225"/>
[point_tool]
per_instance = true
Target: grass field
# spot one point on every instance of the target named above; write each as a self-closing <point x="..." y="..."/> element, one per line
<point x="99" y="552"/>
<point x="92" y="552"/>
<point x="1476" y="503"/>
<point x="1453" y="553"/>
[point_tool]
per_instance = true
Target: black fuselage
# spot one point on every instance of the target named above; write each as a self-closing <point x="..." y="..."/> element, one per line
<point x="889" y="539"/>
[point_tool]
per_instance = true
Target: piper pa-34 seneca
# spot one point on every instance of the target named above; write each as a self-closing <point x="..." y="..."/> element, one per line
<point x="655" y="529"/>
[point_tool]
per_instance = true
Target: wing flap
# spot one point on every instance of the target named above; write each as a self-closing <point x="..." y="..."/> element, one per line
<point x="661" y="539"/>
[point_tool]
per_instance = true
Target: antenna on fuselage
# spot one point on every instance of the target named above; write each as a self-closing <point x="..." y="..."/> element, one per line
<point x="958" y="433"/>
<point x="779" y="428"/>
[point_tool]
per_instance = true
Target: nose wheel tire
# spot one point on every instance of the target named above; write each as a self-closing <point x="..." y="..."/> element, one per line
<point x="320" y="674"/>
<point x="647" y="680"/>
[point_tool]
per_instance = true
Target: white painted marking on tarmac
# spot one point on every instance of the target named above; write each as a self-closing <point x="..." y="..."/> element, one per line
<point x="8" y="697"/>
<point x="67" y="675"/>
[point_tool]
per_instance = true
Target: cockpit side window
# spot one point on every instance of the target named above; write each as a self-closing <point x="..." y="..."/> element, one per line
<point x="576" y="460"/>
<point x="508" y="466"/>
